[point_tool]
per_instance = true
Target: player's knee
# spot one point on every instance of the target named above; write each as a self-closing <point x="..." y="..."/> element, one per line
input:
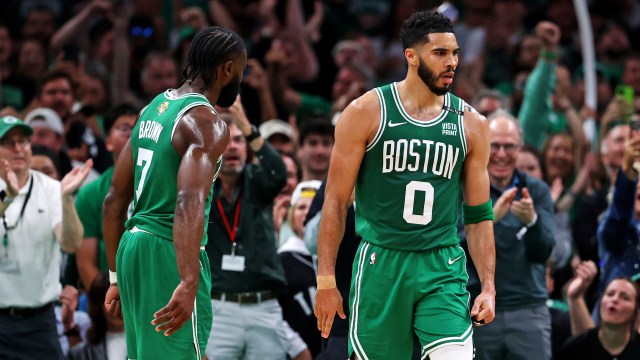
<point x="454" y="352"/>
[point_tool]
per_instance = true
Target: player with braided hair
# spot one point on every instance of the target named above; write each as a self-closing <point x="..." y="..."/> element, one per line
<point x="163" y="280"/>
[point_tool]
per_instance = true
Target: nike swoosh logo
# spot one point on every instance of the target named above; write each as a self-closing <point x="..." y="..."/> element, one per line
<point x="392" y="124"/>
<point x="454" y="260"/>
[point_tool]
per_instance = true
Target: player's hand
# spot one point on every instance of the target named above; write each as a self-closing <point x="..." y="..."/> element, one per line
<point x="484" y="308"/>
<point x="523" y="208"/>
<point x="328" y="303"/>
<point x="112" y="301"/>
<point x="178" y="311"/>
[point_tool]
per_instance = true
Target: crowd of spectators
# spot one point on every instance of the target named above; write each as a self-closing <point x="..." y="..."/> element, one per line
<point x="564" y="175"/>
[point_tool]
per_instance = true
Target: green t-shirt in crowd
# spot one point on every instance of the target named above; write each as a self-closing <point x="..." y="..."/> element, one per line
<point x="89" y="207"/>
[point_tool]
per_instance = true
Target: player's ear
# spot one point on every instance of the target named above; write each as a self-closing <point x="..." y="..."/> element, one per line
<point x="227" y="69"/>
<point x="411" y="55"/>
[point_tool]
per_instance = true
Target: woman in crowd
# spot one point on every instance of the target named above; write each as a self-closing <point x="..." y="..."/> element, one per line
<point x="616" y="336"/>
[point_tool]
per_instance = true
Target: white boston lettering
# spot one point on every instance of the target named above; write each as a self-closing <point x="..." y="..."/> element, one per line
<point x="437" y="166"/>
<point x="412" y="152"/>
<point x="387" y="156"/>
<point x="401" y="154"/>
<point x="416" y="155"/>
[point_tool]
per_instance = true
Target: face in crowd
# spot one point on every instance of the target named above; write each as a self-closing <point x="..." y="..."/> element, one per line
<point x="235" y="156"/>
<point x="505" y="147"/>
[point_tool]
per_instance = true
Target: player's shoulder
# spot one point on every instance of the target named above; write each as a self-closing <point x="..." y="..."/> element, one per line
<point x="360" y="112"/>
<point x="202" y="117"/>
<point x="367" y="103"/>
<point x="201" y="124"/>
<point x="475" y="124"/>
<point x="472" y="116"/>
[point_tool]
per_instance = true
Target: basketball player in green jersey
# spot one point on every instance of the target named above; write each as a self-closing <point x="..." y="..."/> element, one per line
<point x="163" y="282"/>
<point x="409" y="148"/>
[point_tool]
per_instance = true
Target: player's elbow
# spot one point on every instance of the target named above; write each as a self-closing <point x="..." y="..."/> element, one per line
<point x="190" y="202"/>
<point x="108" y="204"/>
<point x="114" y="204"/>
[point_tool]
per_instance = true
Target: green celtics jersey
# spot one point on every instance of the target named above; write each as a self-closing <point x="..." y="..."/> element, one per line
<point x="156" y="164"/>
<point x="408" y="186"/>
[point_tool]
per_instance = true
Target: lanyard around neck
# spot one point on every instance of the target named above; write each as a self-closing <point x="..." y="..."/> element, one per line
<point x="5" y="240"/>
<point x="231" y="231"/>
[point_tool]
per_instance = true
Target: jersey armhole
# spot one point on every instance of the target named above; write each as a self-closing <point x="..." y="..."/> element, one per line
<point x="463" y="137"/>
<point x="143" y="110"/>
<point x="383" y="120"/>
<point x="184" y="110"/>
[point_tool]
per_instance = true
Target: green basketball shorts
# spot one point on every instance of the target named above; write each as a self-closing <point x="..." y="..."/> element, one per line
<point x="396" y="293"/>
<point x="147" y="276"/>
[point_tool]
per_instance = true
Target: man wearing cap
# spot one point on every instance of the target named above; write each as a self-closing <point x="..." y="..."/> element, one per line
<point x="279" y="134"/>
<point x="48" y="130"/>
<point x="38" y="219"/>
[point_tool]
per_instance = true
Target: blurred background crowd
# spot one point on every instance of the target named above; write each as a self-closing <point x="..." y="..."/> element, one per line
<point x="78" y="71"/>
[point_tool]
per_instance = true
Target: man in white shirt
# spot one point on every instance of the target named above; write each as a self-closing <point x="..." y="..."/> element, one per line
<point x="37" y="219"/>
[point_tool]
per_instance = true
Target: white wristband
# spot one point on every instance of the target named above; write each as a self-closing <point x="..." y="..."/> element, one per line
<point x="113" y="279"/>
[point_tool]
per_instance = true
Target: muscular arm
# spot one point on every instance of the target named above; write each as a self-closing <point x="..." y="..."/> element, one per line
<point x="355" y="129"/>
<point x="114" y="208"/>
<point x="201" y="137"/>
<point x="357" y="123"/>
<point x="476" y="191"/>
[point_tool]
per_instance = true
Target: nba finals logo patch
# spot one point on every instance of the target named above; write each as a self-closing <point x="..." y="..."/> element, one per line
<point x="372" y="259"/>
<point x="163" y="107"/>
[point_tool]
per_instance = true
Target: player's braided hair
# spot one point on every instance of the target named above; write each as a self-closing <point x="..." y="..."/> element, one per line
<point x="415" y="29"/>
<point x="210" y="48"/>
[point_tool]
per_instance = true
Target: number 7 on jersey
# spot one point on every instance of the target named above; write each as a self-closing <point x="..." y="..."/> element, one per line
<point x="144" y="159"/>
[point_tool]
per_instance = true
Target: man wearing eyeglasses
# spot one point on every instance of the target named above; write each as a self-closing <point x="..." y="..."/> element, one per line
<point x="523" y="228"/>
<point x="37" y="220"/>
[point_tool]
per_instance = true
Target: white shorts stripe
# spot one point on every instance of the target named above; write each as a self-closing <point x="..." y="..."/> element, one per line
<point x="357" y="347"/>
<point x="194" y="328"/>
<point x="449" y="341"/>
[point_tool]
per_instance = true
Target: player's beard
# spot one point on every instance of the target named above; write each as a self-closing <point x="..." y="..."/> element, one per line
<point x="229" y="93"/>
<point x="429" y="78"/>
